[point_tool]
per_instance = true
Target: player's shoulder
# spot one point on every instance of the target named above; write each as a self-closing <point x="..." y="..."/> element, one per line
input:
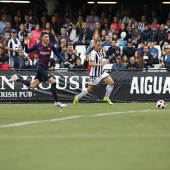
<point x="93" y="52"/>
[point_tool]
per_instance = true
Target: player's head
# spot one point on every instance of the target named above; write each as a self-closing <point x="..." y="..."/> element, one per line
<point x="45" y="37"/>
<point x="98" y="45"/>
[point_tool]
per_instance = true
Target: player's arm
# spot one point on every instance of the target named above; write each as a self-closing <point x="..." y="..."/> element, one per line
<point x="28" y="50"/>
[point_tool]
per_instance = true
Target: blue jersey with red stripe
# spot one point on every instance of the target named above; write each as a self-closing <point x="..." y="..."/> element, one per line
<point x="44" y="52"/>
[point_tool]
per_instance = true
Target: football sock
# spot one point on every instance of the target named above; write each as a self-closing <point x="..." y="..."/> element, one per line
<point x="83" y="93"/>
<point x="25" y="82"/>
<point x="54" y="91"/>
<point x="108" y="90"/>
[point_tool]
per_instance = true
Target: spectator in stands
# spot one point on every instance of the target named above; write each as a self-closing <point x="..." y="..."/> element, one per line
<point x="22" y="34"/>
<point x="140" y="47"/>
<point x="113" y="51"/>
<point x="26" y="65"/>
<point x="85" y="35"/>
<point x="97" y="28"/>
<point x="3" y="57"/>
<point x="62" y="36"/>
<point x="147" y="57"/>
<point x="5" y="66"/>
<point x="15" y="44"/>
<point x="167" y="26"/>
<point x="125" y="59"/>
<point x="96" y="37"/>
<point x="43" y="21"/>
<point x="106" y="44"/>
<point x="78" y="66"/>
<point x="123" y="29"/>
<point x="106" y="24"/>
<point x="8" y="28"/>
<point x="146" y="35"/>
<point x="135" y="34"/>
<point x="154" y="25"/>
<point x="126" y="18"/>
<point x="116" y="24"/>
<point x="91" y="23"/>
<point x="37" y="33"/>
<point x="154" y="52"/>
<point x="31" y="43"/>
<point x="16" y="23"/>
<point x="164" y="48"/>
<point x="153" y="16"/>
<point x="19" y="59"/>
<point x="65" y="55"/>
<point x="129" y="50"/>
<point x="73" y="59"/>
<point x="51" y="33"/>
<point x="118" y="65"/>
<point x="69" y="50"/>
<point x="139" y="59"/>
<point x="160" y="35"/>
<point x="86" y="63"/>
<point x="111" y="31"/>
<point x="80" y="22"/>
<point x="165" y="59"/>
<point x="73" y="34"/>
<point x="115" y="37"/>
<point x="92" y="13"/>
<point x="32" y="18"/>
<point x="63" y="43"/>
<point x="103" y="15"/>
<point x="55" y="25"/>
<point x="102" y="35"/>
<point x="141" y="24"/>
<point x="132" y="65"/>
<point x="67" y="24"/>
<point x="3" y="25"/>
<point x="27" y="23"/>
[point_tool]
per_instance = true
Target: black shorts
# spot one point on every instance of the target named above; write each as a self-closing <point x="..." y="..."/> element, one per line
<point x="42" y="73"/>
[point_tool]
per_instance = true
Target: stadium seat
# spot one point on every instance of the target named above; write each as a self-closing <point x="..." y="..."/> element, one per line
<point x="81" y="49"/>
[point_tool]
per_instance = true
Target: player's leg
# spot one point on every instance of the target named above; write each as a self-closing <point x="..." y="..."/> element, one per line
<point x="109" y="88"/>
<point x="26" y="82"/>
<point x="84" y="92"/>
<point x="52" y="81"/>
<point x="16" y="78"/>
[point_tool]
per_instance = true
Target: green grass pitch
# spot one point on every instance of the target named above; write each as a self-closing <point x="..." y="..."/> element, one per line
<point x="89" y="136"/>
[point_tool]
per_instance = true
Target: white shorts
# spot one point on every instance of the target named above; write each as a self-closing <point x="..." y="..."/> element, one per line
<point x="96" y="80"/>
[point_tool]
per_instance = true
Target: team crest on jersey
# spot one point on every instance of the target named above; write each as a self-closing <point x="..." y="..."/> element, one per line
<point x="49" y="49"/>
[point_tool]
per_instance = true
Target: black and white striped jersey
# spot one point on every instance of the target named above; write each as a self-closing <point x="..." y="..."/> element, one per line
<point x="96" y="57"/>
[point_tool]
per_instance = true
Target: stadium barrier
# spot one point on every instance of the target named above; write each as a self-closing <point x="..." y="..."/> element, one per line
<point x="129" y="86"/>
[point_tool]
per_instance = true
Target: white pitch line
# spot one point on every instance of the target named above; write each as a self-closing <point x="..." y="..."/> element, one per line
<point x="85" y="136"/>
<point x="65" y="118"/>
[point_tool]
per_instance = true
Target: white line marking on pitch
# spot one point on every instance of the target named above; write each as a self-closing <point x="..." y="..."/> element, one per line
<point x="85" y="136"/>
<point x="65" y="118"/>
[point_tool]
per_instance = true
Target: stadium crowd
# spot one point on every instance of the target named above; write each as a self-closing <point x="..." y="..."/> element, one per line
<point x="127" y="42"/>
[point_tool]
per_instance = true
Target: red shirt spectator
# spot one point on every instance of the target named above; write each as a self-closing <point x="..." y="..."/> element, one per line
<point x="5" y="66"/>
<point x="36" y="33"/>
<point x="31" y="43"/>
<point x="116" y="24"/>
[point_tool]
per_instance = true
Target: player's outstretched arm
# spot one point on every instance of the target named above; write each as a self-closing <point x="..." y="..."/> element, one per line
<point x="58" y="55"/>
<point x="28" y="50"/>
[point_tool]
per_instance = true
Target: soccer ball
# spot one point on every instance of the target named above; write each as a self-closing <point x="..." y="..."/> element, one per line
<point x="160" y="104"/>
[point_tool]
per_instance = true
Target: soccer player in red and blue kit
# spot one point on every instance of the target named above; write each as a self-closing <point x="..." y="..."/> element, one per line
<point x="43" y="49"/>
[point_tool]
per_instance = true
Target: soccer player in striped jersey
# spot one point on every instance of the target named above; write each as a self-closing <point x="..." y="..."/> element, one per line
<point x="44" y="49"/>
<point x="96" y="75"/>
